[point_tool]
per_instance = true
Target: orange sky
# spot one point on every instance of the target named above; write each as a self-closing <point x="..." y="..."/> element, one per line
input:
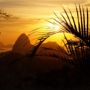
<point x="33" y="14"/>
<point x="37" y="8"/>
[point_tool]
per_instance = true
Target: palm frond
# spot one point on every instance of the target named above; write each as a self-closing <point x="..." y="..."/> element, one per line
<point x="87" y="28"/>
<point x="81" y="20"/>
<point x="81" y="29"/>
<point x="78" y="19"/>
<point x="41" y="39"/>
<point x="84" y="32"/>
<point x="75" y="27"/>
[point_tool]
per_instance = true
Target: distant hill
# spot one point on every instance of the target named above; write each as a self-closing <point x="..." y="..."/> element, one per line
<point x="51" y="49"/>
<point x="22" y="45"/>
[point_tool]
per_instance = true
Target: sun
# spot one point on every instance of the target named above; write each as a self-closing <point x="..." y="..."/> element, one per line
<point x="54" y="27"/>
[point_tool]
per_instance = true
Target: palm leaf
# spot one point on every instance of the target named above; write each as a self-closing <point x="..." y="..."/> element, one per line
<point x="77" y="11"/>
<point x="80" y="29"/>
<point x="41" y="40"/>
<point x="84" y="32"/>
<point x="87" y="21"/>
<point x="81" y="21"/>
<point x="75" y="27"/>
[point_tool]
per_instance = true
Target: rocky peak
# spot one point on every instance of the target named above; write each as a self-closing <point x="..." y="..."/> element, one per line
<point x="22" y="45"/>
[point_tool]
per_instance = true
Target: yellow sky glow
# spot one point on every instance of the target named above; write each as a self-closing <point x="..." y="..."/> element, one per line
<point x="37" y="8"/>
<point x="33" y="14"/>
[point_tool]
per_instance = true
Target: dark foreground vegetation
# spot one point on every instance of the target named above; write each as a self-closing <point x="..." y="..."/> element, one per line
<point x="19" y="72"/>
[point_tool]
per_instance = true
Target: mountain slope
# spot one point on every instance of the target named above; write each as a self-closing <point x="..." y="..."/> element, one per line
<point x="22" y="45"/>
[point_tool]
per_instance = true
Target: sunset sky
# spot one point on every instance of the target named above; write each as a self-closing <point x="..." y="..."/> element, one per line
<point x="37" y="8"/>
<point x="32" y="14"/>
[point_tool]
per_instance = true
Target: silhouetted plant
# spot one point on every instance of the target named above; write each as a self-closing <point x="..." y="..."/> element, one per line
<point x="80" y="30"/>
<point x="41" y="39"/>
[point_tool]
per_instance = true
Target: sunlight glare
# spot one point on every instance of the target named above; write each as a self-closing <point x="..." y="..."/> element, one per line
<point x="54" y="27"/>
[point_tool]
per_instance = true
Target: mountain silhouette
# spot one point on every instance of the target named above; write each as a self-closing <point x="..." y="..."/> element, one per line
<point x="51" y="45"/>
<point x="51" y="49"/>
<point x="22" y="45"/>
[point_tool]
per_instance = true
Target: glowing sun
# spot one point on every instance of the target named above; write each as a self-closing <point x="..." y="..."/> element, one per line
<point x="53" y="27"/>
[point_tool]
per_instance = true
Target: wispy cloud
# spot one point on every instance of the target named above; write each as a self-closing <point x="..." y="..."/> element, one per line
<point x="36" y="3"/>
<point x="35" y="7"/>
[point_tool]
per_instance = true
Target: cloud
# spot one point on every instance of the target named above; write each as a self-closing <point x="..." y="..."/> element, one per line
<point x="31" y="8"/>
<point x="36" y="3"/>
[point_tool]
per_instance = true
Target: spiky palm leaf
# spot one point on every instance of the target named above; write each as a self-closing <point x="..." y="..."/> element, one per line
<point x="82" y="29"/>
<point x="41" y="39"/>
